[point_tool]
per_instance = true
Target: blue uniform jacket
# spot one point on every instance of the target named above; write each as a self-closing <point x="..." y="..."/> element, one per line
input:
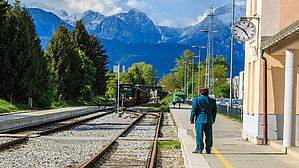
<point x="203" y="110"/>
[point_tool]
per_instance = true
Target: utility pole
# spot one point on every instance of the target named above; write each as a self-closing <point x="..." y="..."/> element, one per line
<point x="209" y="76"/>
<point x="231" y="60"/>
<point x="199" y="49"/>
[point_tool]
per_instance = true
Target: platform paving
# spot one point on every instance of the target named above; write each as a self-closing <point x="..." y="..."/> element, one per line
<point x="229" y="150"/>
<point x="30" y="118"/>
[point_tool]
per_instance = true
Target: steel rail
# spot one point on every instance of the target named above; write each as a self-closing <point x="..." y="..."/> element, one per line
<point x="154" y="151"/>
<point x="47" y="132"/>
<point x="13" y="142"/>
<point x="100" y="154"/>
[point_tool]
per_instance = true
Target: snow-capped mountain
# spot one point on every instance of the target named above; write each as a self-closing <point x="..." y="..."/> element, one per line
<point x="135" y="27"/>
<point x="134" y="33"/>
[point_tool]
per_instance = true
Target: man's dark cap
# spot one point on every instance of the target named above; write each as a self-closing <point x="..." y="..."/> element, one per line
<point x="204" y="89"/>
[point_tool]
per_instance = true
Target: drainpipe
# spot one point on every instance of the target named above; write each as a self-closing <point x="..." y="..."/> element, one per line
<point x="265" y="139"/>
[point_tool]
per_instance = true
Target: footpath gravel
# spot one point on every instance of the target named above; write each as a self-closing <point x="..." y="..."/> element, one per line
<point x="171" y="157"/>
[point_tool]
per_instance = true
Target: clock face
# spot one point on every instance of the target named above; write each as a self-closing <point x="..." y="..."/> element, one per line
<point x="244" y="30"/>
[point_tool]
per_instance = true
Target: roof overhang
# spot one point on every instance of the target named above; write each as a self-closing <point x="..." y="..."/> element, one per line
<point x="288" y="38"/>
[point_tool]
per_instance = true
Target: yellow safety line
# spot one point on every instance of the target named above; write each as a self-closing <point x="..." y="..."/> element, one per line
<point x="217" y="153"/>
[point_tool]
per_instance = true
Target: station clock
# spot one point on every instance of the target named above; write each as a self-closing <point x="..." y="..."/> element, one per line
<point x="244" y="30"/>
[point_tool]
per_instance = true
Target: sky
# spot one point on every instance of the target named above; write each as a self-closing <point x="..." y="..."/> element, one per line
<point x="173" y="13"/>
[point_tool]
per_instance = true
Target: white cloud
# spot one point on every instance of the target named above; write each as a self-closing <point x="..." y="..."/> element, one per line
<point x="201" y="18"/>
<point x="137" y="4"/>
<point x="167" y="22"/>
<point x="106" y="7"/>
<point x="240" y="3"/>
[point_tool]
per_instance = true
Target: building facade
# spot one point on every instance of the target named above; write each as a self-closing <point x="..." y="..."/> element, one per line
<point x="277" y="40"/>
<point x="238" y="84"/>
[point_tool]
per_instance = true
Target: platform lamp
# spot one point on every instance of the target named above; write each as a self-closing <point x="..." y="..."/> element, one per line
<point x="199" y="48"/>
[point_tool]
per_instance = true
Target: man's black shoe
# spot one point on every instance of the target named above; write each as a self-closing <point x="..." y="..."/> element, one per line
<point x="197" y="152"/>
<point x="208" y="152"/>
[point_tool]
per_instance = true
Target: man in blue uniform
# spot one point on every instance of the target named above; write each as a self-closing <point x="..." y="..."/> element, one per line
<point x="203" y="114"/>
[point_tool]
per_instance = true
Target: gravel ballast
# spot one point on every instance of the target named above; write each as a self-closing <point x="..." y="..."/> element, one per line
<point x="70" y="147"/>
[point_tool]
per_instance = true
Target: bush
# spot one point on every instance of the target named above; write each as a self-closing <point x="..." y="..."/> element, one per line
<point x="7" y="107"/>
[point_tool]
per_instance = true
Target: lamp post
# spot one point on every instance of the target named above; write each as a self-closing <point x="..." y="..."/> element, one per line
<point x="192" y="76"/>
<point x="199" y="48"/>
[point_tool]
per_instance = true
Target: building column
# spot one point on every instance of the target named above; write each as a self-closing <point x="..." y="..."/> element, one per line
<point x="289" y="129"/>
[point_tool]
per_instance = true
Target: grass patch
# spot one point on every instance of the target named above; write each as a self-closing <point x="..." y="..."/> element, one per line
<point x="71" y="103"/>
<point x="167" y="145"/>
<point x="167" y="99"/>
<point x="158" y="106"/>
<point x="233" y="119"/>
<point x="8" y="107"/>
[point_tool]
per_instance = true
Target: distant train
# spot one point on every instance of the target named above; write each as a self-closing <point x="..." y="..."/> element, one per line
<point x="131" y="95"/>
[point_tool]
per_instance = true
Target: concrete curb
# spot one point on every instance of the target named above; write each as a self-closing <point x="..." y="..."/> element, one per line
<point x="191" y="160"/>
<point x="188" y="145"/>
<point x="39" y="117"/>
<point x="290" y="150"/>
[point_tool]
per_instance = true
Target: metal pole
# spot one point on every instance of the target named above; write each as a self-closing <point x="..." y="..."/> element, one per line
<point x="198" y="72"/>
<point x="118" y="89"/>
<point x="187" y="81"/>
<point x="192" y="76"/>
<point x="231" y="60"/>
<point x="185" y="77"/>
<point x="289" y="132"/>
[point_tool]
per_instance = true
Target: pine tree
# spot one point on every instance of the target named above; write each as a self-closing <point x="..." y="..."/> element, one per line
<point x="5" y="9"/>
<point x="65" y="64"/>
<point x="93" y="49"/>
<point x="100" y="60"/>
<point x="25" y="67"/>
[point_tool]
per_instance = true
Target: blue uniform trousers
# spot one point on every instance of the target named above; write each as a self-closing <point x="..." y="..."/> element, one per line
<point x="207" y="129"/>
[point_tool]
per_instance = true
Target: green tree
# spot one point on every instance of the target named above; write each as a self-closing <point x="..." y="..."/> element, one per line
<point x="25" y="68"/>
<point x="66" y="64"/>
<point x="222" y="91"/>
<point x="174" y="82"/>
<point x="100" y="62"/>
<point x="140" y="73"/>
<point x="87" y="77"/>
<point x="112" y="86"/>
<point x="93" y="50"/>
<point x="169" y="83"/>
<point x="5" y="88"/>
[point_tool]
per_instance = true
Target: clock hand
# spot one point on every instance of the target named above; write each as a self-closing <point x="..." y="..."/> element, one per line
<point x="239" y="27"/>
<point x="243" y="31"/>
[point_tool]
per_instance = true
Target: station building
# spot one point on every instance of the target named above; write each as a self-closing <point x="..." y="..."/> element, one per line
<point x="277" y="40"/>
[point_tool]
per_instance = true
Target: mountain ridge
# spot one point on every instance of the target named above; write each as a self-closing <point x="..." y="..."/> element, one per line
<point x="134" y="29"/>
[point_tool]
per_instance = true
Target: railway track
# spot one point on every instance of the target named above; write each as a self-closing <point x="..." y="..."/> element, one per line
<point x="135" y="146"/>
<point x="20" y="136"/>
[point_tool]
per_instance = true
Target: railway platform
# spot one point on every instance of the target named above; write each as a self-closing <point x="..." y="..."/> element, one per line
<point x="10" y="121"/>
<point x="229" y="149"/>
